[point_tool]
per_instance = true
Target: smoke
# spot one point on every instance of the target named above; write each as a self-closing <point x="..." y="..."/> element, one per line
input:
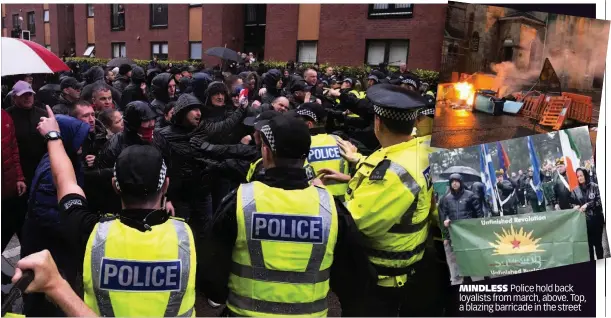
<point x="576" y="47"/>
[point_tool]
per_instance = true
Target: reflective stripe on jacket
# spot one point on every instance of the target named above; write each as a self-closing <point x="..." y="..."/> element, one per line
<point x="283" y="252"/>
<point x="389" y="198"/>
<point x="129" y="273"/>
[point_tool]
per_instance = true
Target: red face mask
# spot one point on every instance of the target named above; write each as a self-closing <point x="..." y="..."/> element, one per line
<point x="146" y="133"/>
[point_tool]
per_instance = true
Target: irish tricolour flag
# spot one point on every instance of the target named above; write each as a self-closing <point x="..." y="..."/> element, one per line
<point x="571" y="157"/>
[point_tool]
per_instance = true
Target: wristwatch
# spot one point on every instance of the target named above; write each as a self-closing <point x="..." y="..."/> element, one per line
<point x="53" y="135"/>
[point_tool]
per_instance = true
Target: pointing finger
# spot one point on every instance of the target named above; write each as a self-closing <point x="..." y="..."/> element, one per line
<point x="50" y="112"/>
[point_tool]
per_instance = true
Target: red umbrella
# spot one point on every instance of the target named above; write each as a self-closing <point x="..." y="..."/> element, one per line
<point x="26" y="57"/>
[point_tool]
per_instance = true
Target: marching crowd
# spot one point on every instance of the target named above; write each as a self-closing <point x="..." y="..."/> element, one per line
<point x="335" y="163"/>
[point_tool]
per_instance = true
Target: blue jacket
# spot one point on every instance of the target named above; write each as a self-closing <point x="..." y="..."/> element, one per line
<point x="42" y="204"/>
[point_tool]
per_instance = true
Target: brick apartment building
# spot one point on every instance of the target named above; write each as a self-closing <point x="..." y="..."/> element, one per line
<point x="346" y="34"/>
<point x="50" y="25"/>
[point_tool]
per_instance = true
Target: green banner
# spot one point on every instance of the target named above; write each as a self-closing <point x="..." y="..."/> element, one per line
<point x="517" y="244"/>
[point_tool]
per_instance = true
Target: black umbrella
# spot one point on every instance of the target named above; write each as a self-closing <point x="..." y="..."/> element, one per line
<point x="468" y="174"/>
<point x="223" y="53"/>
<point x="118" y="61"/>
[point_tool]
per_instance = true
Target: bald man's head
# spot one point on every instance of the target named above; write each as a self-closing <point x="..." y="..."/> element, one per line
<point x="281" y="104"/>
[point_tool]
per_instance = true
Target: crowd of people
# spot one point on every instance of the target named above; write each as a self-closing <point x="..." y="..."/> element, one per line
<point x="513" y="191"/>
<point x="338" y="168"/>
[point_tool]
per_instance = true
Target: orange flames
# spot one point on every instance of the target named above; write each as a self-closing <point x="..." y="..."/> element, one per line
<point x="465" y="92"/>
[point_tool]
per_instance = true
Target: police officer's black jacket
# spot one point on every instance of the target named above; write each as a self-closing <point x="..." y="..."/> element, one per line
<point x="351" y="272"/>
<point x="562" y="195"/>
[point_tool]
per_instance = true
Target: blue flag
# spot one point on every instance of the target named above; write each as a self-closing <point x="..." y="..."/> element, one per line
<point x="487" y="173"/>
<point x="536" y="179"/>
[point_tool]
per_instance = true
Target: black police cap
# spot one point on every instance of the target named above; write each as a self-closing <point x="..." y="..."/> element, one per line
<point x="395" y="102"/>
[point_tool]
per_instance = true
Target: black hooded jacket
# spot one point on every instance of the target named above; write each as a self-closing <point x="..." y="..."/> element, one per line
<point x="121" y="82"/>
<point x="135" y="113"/>
<point x="199" y="85"/>
<point x="269" y="81"/>
<point x="221" y="125"/>
<point x="133" y="92"/>
<point x="159" y="89"/>
<point x="188" y="165"/>
<point x="459" y="205"/>
<point x="94" y="75"/>
<point x="184" y="85"/>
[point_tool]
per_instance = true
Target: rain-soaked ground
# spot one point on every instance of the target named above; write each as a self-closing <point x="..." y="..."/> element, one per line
<point x="457" y="128"/>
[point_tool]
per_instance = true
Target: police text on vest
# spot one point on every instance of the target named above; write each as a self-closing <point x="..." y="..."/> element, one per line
<point x="123" y="275"/>
<point x="289" y="228"/>
<point x="324" y="153"/>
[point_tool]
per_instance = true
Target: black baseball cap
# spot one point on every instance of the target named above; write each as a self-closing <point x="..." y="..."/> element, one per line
<point x="261" y="119"/>
<point x="69" y="82"/>
<point x="314" y="111"/>
<point x="299" y="85"/>
<point x="287" y="136"/>
<point x="140" y="170"/>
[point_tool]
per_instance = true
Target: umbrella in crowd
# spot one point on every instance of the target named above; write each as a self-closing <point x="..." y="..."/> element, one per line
<point x="468" y="174"/>
<point x="118" y="61"/>
<point x="223" y="53"/>
<point x="26" y="57"/>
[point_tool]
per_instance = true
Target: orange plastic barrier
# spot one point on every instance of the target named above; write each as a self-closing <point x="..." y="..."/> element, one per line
<point x="555" y="112"/>
<point x="532" y="105"/>
<point x="581" y="107"/>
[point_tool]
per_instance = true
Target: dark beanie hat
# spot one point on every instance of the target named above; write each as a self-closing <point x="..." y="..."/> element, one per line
<point x="124" y="69"/>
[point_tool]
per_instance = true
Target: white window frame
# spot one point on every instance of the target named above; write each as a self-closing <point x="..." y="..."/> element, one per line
<point x="122" y="49"/>
<point x="197" y="51"/>
<point x="89" y="50"/>
<point x="160" y="46"/>
<point x="302" y="48"/>
<point x="388" y="57"/>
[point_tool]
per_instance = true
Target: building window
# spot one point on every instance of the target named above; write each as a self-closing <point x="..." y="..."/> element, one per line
<point x="117" y="17"/>
<point x="16" y="24"/>
<point x="160" y="49"/>
<point x="159" y="15"/>
<point x="392" y="52"/>
<point x="89" y="52"/>
<point x="384" y="10"/>
<point x="475" y="42"/>
<point x="306" y="51"/>
<point x="31" y="23"/>
<point x="195" y="4"/>
<point x="254" y="14"/>
<point x="195" y="50"/>
<point x="45" y="16"/>
<point x="90" y="11"/>
<point x="118" y="50"/>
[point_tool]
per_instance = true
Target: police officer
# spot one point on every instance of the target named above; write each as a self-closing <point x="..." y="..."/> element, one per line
<point x="140" y="262"/>
<point x="324" y="151"/>
<point x="275" y="243"/>
<point x="389" y="198"/>
<point x="256" y="170"/>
